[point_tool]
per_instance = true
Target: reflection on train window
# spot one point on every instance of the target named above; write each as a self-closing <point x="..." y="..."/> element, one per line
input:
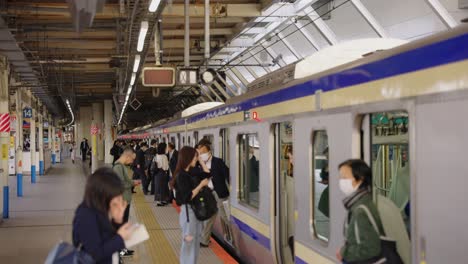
<point x="224" y="145"/>
<point x="249" y="166"/>
<point x="188" y="141"/>
<point x="173" y="141"/>
<point x="320" y="185"/>
<point x="388" y="142"/>
<point x="210" y="138"/>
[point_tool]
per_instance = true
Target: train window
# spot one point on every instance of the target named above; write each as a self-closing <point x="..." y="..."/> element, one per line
<point x="249" y="167"/>
<point x="385" y="141"/>
<point x="195" y="137"/>
<point x="211" y="139"/>
<point x="173" y="141"/>
<point x="178" y="141"/>
<point x="224" y="145"/>
<point x="321" y="204"/>
<point x="188" y="141"/>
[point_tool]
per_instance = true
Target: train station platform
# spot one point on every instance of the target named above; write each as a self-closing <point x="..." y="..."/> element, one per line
<point x="44" y="215"/>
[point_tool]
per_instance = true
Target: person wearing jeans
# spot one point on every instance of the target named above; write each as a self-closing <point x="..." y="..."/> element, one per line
<point x="188" y="186"/>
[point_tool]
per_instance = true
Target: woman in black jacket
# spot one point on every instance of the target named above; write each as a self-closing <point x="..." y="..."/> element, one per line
<point x="92" y="226"/>
<point x="187" y="186"/>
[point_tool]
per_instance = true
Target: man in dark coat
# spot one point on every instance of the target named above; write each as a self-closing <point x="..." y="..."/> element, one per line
<point x="84" y="148"/>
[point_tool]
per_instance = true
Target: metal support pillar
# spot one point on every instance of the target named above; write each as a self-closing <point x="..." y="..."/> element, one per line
<point x="98" y="115"/>
<point x="187" y="34"/>
<point x="4" y="136"/>
<point x="107" y="129"/>
<point x="94" y="158"/>
<point x="41" y="144"/>
<point x="207" y="31"/>
<point x="19" y="144"/>
<point x="33" y="145"/>
<point x="52" y="145"/>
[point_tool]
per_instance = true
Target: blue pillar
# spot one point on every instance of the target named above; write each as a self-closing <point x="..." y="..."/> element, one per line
<point x="41" y="167"/>
<point x="19" y="185"/>
<point x="33" y="173"/>
<point x="6" y="204"/>
<point x="53" y="158"/>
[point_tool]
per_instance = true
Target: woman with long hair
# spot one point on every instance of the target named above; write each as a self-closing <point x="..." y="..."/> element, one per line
<point x="187" y="186"/>
<point x="103" y="204"/>
<point x="161" y="178"/>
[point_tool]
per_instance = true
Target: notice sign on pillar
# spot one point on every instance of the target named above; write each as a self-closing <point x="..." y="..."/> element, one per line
<point x="5" y="122"/>
<point x="5" y="151"/>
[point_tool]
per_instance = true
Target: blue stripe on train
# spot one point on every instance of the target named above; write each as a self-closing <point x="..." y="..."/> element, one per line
<point x="252" y="233"/>
<point x="436" y="54"/>
<point x="298" y="260"/>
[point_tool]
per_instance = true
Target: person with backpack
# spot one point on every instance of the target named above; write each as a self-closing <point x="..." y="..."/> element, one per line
<point x="103" y="204"/>
<point x="187" y="187"/>
<point x="140" y="163"/>
<point x="362" y="241"/>
<point x="219" y="181"/>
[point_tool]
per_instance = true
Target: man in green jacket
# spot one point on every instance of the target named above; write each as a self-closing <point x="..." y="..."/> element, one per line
<point x="124" y="171"/>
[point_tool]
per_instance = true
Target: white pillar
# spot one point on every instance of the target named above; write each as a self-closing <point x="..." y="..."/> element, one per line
<point x="49" y="133"/>
<point x="98" y="121"/>
<point x="107" y="129"/>
<point x="19" y="143"/>
<point x="33" y="146"/>
<point x="41" y="144"/>
<point x="4" y="138"/>
<point x="94" y="157"/>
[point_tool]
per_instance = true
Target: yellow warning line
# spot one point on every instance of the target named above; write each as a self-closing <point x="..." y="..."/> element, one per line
<point x="158" y="246"/>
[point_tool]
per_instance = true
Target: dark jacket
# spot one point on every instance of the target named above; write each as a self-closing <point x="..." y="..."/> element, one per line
<point x="173" y="161"/>
<point x="93" y="230"/>
<point x="361" y="240"/>
<point x="84" y="147"/>
<point x="220" y="177"/>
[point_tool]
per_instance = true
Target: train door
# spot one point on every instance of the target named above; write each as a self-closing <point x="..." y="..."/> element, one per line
<point x="284" y="218"/>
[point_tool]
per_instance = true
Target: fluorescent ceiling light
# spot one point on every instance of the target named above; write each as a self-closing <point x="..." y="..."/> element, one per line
<point x="142" y="35"/>
<point x="154" y="5"/>
<point x="136" y="63"/>
<point x="132" y="81"/>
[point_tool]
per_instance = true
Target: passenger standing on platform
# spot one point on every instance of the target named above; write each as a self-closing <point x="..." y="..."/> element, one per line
<point x="172" y="156"/>
<point x="149" y="156"/>
<point x="103" y="204"/>
<point x="84" y="148"/>
<point x="141" y="162"/>
<point x="219" y="183"/>
<point x="73" y="151"/>
<point x="188" y="186"/>
<point x="115" y="151"/>
<point x="161" y="176"/>
<point x="362" y="242"/>
<point x="122" y="168"/>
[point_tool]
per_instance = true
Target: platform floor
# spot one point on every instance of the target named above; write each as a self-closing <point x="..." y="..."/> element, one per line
<point x="43" y="217"/>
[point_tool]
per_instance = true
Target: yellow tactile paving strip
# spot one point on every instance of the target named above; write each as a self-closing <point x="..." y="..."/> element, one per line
<point x="158" y="246"/>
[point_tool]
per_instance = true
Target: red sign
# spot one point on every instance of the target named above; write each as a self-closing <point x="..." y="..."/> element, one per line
<point x="94" y="130"/>
<point x="4" y="122"/>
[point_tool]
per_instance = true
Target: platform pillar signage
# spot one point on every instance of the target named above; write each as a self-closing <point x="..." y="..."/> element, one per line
<point x="19" y="145"/>
<point x="32" y="144"/>
<point x="4" y="135"/>
<point x="41" y="144"/>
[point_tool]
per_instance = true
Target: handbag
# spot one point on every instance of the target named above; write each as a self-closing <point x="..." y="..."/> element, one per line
<point x="65" y="253"/>
<point x="204" y="204"/>
<point x="388" y="245"/>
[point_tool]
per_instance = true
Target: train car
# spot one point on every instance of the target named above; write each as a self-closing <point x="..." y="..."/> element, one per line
<point x="401" y="110"/>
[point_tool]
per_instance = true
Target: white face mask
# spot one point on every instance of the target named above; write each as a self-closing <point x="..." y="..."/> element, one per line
<point x="205" y="156"/>
<point x="346" y="186"/>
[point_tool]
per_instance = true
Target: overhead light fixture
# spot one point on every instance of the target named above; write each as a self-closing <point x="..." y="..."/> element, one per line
<point x="142" y="35"/>
<point x="154" y="5"/>
<point x="136" y="64"/>
<point x="71" y="113"/>
<point x="132" y="81"/>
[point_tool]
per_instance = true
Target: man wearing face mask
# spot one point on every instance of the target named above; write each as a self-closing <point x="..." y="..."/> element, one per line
<point x="362" y="241"/>
<point x="219" y="182"/>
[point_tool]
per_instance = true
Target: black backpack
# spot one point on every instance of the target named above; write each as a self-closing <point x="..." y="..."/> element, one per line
<point x="204" y="205"/>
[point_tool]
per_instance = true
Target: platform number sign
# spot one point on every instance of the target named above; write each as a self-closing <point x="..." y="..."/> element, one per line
<point x="27" y="112"/>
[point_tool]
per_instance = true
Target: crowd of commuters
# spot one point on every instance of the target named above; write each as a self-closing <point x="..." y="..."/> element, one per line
<point x="101" y="221"/>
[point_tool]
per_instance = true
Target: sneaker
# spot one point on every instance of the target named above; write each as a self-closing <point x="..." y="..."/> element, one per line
<point x="160" y="204"/>
<point x="204" y="245"/>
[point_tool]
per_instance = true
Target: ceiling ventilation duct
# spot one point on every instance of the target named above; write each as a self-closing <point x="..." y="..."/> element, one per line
<point x="83" y="12"/>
